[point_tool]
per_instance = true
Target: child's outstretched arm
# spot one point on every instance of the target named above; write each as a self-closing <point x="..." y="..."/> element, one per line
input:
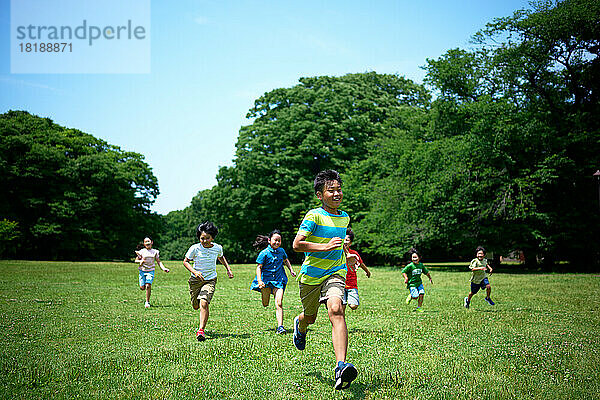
<point x="261" y="284"/>
<point x="289" y="265"/>
<point x="223" y="261"/>
<point x="161" y="264"/>
<point x="429" y="276"/>
<point x="188" y="266"/>
<point x="364" y="267"/>
<point x="405" y="277"/>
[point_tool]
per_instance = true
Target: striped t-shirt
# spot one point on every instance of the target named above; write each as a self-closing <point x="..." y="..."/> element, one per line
<point x="319" y="226"/>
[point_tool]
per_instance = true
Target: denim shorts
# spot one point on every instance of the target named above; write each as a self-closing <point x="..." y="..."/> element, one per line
<point x="146" y="277"/>
<point x="416" y="291"/>
<point x="481" y="285"/>
<point x="350" y="297"/>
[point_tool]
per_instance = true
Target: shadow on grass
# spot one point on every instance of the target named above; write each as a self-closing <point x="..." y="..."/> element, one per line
<point x="356" y="389"/>
<point x="361" y="330"/>
<point x="215" y="335"/>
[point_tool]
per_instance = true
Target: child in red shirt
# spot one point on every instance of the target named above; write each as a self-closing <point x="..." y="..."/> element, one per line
<point x="351" y="290"/>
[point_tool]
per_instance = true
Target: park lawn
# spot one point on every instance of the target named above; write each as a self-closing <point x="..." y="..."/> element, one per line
<point x="80" y="330"/>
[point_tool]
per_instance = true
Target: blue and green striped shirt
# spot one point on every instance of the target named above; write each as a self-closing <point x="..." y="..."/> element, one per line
<point x="319" y="226"/>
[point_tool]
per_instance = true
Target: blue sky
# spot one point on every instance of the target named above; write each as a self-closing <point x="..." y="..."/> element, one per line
<point x="211" y="59"/>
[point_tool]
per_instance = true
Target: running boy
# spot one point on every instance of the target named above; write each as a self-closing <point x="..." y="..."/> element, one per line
<point x="204" y="272"/>
<point x="323" y="273"/>
<point x="479" y="277"/>
<point x="412" y="278"/>
<point x="351" y="290"/>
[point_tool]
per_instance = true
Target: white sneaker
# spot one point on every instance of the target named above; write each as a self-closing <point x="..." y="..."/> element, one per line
<point x="147" y="305"/>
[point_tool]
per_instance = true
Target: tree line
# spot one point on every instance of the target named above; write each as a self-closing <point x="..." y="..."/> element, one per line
<point x="497" y="147"/>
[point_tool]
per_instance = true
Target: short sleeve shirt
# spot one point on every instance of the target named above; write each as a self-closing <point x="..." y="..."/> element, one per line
<point x="414" y="271"/>
<point x="272" y="264"/>
<point x="205" y="259"/>
<point x="351" y="279"/>
<point x="320" y="226"/>
<point x="478" y="276"/>
<point x="149" y="257"/>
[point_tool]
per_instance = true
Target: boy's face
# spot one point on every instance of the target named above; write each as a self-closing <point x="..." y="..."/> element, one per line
<point x="348" y="241"/>
<point x="148" y="243"/>
<point x="205" y="239"/>
<point x="415" y="258"/>
<point x="331" y="196"/>
<point x="480" y="255"/>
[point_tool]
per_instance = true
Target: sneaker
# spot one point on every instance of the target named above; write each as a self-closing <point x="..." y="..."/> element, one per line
<point x="299" y="337"/>
<point x="490" y="302"/>
<point x="420" y="309"/>
<point x="280" y="330"/>
<point x="200" y="336"/>
<point x="467" y="302"/>
<point x="147" y="305"/>
<point x="345" y="373"/>
<point x="408" y="299"/>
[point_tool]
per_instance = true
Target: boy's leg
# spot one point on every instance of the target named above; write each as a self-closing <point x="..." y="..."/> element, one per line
<point x="278" y="293"/>
<point x="339" y="330"/>
<point x="266" y="295"/>
<point x="203" y="313"/>
<point x="420" y="303"/>
<point x="488" y="290"/>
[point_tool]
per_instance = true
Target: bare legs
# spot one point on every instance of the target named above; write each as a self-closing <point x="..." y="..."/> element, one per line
<point x="278" y="294"/>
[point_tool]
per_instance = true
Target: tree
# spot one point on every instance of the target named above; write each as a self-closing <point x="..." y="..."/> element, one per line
<point x="73" y="196"/>
<point x="324" y="122"/>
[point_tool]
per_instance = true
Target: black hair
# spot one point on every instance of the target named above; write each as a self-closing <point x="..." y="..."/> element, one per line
<point x="350" y="233"/>
<point x="148" y="237"/>
<point x="479" y="248"/>
<point x="414" y="251"/>
<point x="262" y="241"/>
<point x="207" y="227"/>
<point x="326" y="176"/>
<point x="140" y="246"/>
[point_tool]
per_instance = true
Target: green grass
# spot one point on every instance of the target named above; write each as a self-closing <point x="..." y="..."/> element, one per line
<point x="81" y="330"/>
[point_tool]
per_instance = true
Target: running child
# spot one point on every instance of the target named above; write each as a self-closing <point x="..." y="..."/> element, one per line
<point x="412" y="278"/>
<point x="147" y="257"/>
<point x="479" y="277"/>
<point x="322" y="278"/>
<point x="351" y="290"/>
<point x="270" y="275"/>
<point x="203" y="278"/>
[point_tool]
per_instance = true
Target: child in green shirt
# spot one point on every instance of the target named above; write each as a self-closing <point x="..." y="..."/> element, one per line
<point x="412" y="278"/>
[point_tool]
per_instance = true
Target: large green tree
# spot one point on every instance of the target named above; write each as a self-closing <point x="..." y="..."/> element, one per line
<point x="323" y="122"/>
<point x="510" y="145"/>
<point x="73" y="196"/>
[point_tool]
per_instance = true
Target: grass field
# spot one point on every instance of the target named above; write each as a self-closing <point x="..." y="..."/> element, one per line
<point x="80" y="330"/>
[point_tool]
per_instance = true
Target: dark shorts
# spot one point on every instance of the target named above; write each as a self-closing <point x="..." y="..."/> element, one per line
<point x="481" y="285"/>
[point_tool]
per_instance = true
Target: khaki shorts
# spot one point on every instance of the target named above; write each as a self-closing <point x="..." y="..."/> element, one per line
<point x="313" y="295"/>
<point x="201" y="290"/>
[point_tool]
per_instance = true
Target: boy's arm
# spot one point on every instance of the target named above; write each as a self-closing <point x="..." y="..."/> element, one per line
<point x="405" y="277"/>
<point x="364" y="267"/>
<point x="188" y="266"/>
<point x="261" y="284"/>
<point x="223" y="261"/>
<point x="289" y="265"/>
<point x="429" y="276"/>
<point x="300" y="244"/>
